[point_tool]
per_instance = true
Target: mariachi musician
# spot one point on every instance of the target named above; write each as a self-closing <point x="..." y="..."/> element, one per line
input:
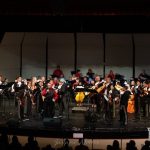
<point x="138" y="91"/>
<point x="61" y="91"/>
<point x="19" y="89"/>
<point x="125" y="95"/>
<point x="112" y="100"/>
<point x="50" y="97"/>
<point x="144" y="98"/>
<point x="107" y="99"/>
<point x="29" y="98"/>
<point x="37" y="93"/>
<point x="99" y="95"/>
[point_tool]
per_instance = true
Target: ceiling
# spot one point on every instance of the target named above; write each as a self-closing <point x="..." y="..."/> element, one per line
<point x="75" y="15"/>
<point x="75" y="7"/>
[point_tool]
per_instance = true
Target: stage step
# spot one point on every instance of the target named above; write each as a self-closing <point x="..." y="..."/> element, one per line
<point x="78" y="109"/>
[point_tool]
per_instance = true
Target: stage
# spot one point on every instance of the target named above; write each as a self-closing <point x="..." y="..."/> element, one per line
<point x="74" y="124"/>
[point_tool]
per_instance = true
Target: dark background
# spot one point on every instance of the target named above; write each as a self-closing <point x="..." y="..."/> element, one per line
<point x="75" y="15"/>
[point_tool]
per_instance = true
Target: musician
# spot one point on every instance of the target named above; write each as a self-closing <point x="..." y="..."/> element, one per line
<point x="78" y="74"/>
<point x="19" y="89"/>
<point x="28" y="99"/>
<point x="90" y="74"/>
<point x="92" y="95"/>
<point x="114" y="100"/>
<point x="144" y="76"/>
<point x="144" y="99"/>
<point x="125" y="95"/>
<point x="137" y="96"/>
<point x="97" y="80"/>
<point x="56" y="82"/>
<point x="85" y="81"/>
<point x="43" y="79"/>
<point x="111" y="75"/>
<point x="58" y="72"/>
<point x="107" y="99"/>
<point x="98" y="96"/>
<point x="61" y="96"/>
<point x="37" y="93"/>
<point x="51" y="97"/>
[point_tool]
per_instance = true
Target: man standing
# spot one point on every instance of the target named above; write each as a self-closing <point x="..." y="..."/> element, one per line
<point x="51" y="97"/>
<point x="58" y="72"/>
<point x="125" y="95"/>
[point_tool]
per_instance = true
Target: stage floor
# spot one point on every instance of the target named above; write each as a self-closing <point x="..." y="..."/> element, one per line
<point x="71" y="123"/>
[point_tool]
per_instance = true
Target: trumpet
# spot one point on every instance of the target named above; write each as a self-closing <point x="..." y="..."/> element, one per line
<point x="118" y="87"/>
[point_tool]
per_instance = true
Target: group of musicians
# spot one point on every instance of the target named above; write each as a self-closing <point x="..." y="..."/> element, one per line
<point x="45" y="96"/>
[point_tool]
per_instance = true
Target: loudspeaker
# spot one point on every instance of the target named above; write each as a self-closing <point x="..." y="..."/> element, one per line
<point x="52" y="122"/>
<point x="13" y="123"/>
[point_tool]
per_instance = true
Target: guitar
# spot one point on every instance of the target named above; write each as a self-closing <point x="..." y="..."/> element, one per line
<point x="100" y="89"/>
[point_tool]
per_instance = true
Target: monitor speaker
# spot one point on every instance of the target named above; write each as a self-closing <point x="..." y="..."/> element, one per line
<point x="13" y="123"/>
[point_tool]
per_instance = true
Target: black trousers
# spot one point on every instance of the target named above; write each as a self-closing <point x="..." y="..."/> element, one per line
<point x="20" y="110"/>
<point x="61" y="106"/>
<point x="98" y="100"/>
<point x="49" y="108"/>
<point x="108" y="110"/>
<point x="123" y="115"/>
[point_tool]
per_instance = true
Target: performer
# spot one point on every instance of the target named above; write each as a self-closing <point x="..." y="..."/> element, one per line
<point x="29" y="99"/>
<point x="111" y="75"/>
<point x="51" y="97"/>
<point x="108" y="103"/>
<point x="99" y="95"/>
<point x="114" y="100"/>
<point x="123" y="105"/>
<point x="131" y="101"/>
<point x="96" y="98"/>
<point x="144" y="76"/>
<point x="19" y="89"/>
<point x="58" y="72"/>
<point x="37" y="93"/>
<point x="144" y="98"/>
<point x="61" y="96"/>
<point x="78" y="73"/>
<point x="137" y="97"/>
<point x="90" y="74"/>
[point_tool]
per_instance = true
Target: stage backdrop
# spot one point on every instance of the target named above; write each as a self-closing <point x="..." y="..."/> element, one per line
<point x="61" y="51"/>
<point x="33" y="55"/>
<point x="119" y="54"/>
<point x="90" y="52"/>
<point x="10" y="55"/>
<point x="142" y="56"/>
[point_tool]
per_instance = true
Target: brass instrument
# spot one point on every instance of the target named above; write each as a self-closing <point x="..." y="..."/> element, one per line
<point x="118" y="87"/>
